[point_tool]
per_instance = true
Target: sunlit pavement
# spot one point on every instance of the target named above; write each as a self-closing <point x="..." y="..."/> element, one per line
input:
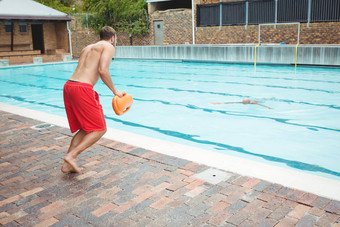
<point x="122" y="185"/>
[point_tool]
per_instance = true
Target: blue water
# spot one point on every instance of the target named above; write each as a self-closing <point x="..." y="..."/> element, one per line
<point x="172" y="101"/>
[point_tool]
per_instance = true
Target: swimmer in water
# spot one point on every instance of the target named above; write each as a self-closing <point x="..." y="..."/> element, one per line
<point x="244" y="101"/>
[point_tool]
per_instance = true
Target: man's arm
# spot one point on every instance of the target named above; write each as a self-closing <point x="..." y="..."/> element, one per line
<point x="104" y="64"/>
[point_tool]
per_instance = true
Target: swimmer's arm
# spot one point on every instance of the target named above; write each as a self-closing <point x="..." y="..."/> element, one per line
<point x="104" y="64"/>
<point x="263" y="105"/>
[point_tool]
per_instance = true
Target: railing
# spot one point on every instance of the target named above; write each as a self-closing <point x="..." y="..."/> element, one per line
<point x="267" y="11"/>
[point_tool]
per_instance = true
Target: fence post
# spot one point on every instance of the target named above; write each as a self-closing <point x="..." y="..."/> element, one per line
<point x="309" y="12"/>
<point x="275" y="14"/>
<point x="193" y="21"/>
<point x="220" y="15"/>
<point x="298" y="41"/>
<point x="87" y="24"/>
<point x="246" y="14"/>
<point x="68" y="24"/>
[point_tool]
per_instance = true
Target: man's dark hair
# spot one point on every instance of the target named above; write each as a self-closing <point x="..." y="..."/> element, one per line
<point x="106" y="33"/>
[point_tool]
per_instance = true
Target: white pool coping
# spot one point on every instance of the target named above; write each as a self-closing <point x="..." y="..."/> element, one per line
<point x="321" y="186"/>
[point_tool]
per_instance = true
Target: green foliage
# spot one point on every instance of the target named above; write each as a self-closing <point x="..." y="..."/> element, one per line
<point x="123" y="15"/>
<point x="65" y="6"/>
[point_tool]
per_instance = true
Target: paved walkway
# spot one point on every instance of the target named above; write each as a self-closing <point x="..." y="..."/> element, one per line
<point x="129" y="186"/>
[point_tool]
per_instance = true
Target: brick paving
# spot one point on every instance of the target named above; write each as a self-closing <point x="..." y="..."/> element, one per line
<point x="124" y="185"/>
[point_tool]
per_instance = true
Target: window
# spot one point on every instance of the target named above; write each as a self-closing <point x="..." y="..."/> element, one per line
<point x="23" y="27"/>
<point x="8" y="26"/>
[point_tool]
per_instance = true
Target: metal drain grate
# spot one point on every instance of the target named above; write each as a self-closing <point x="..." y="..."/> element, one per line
<point x="42" y="126"/>
<point x="213" y="176"/>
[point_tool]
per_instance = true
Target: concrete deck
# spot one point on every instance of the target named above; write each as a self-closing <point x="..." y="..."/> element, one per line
<point x="123" y="185"/>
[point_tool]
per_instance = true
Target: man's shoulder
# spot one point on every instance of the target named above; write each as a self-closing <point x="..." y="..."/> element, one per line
<point x="104" y="45"/>
<point x="108" y="47"/>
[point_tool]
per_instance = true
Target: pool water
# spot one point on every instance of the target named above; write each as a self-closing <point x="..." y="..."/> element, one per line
<point x="172" y="101"/>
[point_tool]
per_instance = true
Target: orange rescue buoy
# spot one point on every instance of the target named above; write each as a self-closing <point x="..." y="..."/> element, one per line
<point x="122" y="104"/>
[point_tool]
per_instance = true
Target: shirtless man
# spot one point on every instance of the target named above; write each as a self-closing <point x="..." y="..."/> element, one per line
<point x="84" y="112"/>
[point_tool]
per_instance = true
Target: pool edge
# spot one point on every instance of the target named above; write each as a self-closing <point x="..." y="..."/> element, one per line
<point x="321" y="186"/>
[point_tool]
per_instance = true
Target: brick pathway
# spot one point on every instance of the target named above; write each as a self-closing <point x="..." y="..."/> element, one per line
<point x="129" y="186"/>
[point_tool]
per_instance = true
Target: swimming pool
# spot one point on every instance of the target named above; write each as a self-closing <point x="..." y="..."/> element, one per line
<point x="172" y="102"/>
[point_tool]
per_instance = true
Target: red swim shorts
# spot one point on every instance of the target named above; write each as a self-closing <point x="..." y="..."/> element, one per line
<point x="83" y="108"/>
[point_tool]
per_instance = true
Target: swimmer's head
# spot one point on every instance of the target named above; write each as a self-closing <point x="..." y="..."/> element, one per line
<point x="246" y="101"/>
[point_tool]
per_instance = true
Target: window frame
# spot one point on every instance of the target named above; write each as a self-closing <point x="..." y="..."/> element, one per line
<point x="23" y="25"/>
<point x="8" y="25"/>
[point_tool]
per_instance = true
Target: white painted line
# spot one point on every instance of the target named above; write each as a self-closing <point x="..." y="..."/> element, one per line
<point x="321" y="186"/>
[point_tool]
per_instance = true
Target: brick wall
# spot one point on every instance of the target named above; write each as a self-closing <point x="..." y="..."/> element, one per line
<point x="50" y="38"/>
<point x="227" y="34"/>
<point x="21" y="41"/>
<point x="320" y="33"/>
<point x="81" y="37"/>
<point x="316" y="33"/>
<point x="55" y="36"/>
<point x="29" y="58"/>
<point x="124" y="39"/>
<point x="62" y="36"/>
<point x="177" y="26"/>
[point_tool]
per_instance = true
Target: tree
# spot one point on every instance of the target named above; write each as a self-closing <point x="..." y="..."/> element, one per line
<point x="65" y="6"/>
<point x="123" y="15"/>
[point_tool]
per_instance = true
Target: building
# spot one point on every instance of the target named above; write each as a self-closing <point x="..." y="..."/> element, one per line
<point x="170" y="21"/>
<point x="244" y="21"/>
<point x="31" y="31"/>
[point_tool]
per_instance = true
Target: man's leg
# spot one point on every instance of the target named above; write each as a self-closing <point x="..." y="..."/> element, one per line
<point x="88" y="140"/>
<point x="77" y="138"/>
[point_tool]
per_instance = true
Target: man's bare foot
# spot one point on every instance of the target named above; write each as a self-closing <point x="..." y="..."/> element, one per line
<point x="72" y="163"/>
<point x="66" y="168"/>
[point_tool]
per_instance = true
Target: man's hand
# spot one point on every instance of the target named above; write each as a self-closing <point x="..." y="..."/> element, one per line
<point x="118" y="93"/>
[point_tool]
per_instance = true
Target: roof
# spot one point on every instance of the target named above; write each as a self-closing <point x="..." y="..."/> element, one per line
<point x="157" y="1"/>
<point x="29" y="9"/>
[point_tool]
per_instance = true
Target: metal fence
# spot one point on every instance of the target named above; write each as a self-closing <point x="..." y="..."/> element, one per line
<point x="267" y="11"/>
<point x="208" y="15"/>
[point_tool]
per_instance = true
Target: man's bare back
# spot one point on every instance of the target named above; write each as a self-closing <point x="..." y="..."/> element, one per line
<point x="94" y="62"/>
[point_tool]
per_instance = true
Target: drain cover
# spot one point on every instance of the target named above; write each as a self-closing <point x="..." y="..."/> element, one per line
<point x="42" y="126"/>
<point x="213" y="176"/>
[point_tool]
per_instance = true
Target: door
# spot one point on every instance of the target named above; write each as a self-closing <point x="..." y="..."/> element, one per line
<point x="37" y="37"/>
<point x="158" y="28"/>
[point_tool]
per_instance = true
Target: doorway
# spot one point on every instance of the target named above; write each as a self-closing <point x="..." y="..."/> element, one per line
<point x="37" y="37"/>
<point x="158" y="29"/>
